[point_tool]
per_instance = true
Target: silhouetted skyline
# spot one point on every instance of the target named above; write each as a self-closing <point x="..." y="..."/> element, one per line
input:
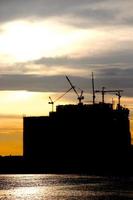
<point x="90" y="139"/>
<point x="41" y="41"/>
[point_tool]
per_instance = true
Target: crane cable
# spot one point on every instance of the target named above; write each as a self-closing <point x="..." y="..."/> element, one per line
<point x="63" y="94"/>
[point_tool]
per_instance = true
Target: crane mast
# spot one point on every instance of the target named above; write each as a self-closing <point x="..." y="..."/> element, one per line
<point x="93" y="88"/>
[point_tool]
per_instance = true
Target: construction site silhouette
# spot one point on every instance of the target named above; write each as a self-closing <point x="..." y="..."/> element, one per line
<point x="82" y="138"/>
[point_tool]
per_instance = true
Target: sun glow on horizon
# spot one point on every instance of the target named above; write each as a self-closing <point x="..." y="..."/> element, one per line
<point x="23" y="103"/>
<point x="23" y="41"/>
<point x="16" y="104"/>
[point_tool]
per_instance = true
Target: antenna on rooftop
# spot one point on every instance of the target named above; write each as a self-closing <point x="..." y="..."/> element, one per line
<point x="93" y="88"/>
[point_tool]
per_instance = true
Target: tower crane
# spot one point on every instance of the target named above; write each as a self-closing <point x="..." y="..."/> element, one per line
<point x="52" y="102"/>
<point x="79" y="97"/>
<point x="102" y="91"/>
<point x="117" y="92"/>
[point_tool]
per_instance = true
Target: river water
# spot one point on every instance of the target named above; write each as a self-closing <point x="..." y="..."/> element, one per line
<point x="65" y="187"/>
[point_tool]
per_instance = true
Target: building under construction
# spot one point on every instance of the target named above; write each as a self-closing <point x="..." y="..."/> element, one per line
<point x="79" y="136"/>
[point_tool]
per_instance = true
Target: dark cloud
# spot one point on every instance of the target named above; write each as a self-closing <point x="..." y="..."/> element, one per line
<point x="12" y="9"/>
<point x="89" y="12"/>
<point x="122" y="56"/>
<point x="97" y="14"/>
<point x="94" y="17"/>
<point x="116" y="72"/>
<point x="119" y="78"/>
<point x="40" y="83"/>
<point x="32" y="82"/>
<point x="60" y="84"/>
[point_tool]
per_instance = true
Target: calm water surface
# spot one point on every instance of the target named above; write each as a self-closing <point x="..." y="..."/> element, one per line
<point x="65" y="187"/>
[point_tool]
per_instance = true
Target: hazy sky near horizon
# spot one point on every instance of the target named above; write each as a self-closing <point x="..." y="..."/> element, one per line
<point x="43" y="40"/>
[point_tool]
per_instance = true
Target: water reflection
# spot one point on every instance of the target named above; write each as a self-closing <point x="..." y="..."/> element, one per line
<point x="65" y="187"/>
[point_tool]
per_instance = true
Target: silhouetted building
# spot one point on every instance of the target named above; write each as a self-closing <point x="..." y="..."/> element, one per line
<point x="78" y="135"/>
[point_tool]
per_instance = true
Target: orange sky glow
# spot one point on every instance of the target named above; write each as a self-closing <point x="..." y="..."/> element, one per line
<point x="28" y="103"/>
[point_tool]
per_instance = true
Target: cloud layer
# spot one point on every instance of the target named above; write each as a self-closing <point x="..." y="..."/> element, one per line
<point x="93" y="11"/>
<point x="118" y="79"/>
<point x="110" y="57"/>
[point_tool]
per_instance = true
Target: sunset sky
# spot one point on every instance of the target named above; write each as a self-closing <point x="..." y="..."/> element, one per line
<point x="41" y="41"/>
